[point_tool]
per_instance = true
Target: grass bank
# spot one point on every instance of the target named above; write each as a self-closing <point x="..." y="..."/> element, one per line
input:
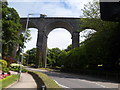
<point x="49" y="82"/>
<point x="8" y="81"/>
<point x="48" y="69"/>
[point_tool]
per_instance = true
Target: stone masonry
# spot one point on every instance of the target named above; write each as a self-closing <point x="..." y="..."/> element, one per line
<point x="45" y="25"/>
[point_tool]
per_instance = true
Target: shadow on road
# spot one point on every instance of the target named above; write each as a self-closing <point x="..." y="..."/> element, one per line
<point x="75" y="80"/>
<point x="76" y="76"/>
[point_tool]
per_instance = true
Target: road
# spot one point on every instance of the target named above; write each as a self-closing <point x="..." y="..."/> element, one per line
<point x="67" y="80"/>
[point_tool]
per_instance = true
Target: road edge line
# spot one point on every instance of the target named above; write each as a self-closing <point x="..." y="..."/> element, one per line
<point x="61" y="85"/>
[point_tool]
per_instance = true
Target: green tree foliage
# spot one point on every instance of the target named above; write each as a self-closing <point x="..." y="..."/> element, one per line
<point x="61" y="58"/>
<point x="101" y="42"/>
<point x="92" y="19"/>
<point x="12" y="34"/>
<point x="52" y="56"/>
<point x="91" y="10"/>
<point x="30" y="56"/>
<point x="104" y="48"/>
<point x="101" y="48"/>
<point x="10" y="27"/>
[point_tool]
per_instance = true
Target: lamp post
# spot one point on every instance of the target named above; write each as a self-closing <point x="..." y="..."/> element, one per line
<point x="22" y="49"/>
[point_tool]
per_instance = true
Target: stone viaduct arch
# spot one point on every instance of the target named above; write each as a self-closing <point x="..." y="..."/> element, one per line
<point x="45" y="25"/>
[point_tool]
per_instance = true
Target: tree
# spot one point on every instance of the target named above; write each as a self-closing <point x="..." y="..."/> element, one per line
<point x="61" y="58"/>
<point x="101" y="48"/>
<point x="103" y="41"/>
<point x="10" y="27"/>
<point x="91" y="20"/>
<point x="52" y="56"/>
<point x="12" y="36"/>
<point x="30" y="56"/>
<point x="91" y="10"/>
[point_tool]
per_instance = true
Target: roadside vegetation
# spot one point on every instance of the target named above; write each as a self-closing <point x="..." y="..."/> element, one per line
<point x="6" y="77"/>
<point x="13" y="67"/>
<point x="100" y="51"/>
<point x="12" y="39"/>
<point x="8" y="81"/>
<point x="49" y="82"/>
<point x="48" y="69"/>
<point x="12" y="34"/>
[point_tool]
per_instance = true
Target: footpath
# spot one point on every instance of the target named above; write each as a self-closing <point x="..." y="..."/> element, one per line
<point x="26" y="81"/>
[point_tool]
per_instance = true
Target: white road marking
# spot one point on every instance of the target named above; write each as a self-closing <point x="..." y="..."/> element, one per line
<point x="80" y="80"/>
<point x="61" y="85"/>
<point x="101" y="85"/>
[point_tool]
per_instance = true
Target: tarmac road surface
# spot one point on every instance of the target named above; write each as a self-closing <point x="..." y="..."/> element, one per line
<point x="72" y="81"/>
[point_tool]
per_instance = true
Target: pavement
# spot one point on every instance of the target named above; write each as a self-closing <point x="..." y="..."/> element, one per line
<point x="26" y="81"/>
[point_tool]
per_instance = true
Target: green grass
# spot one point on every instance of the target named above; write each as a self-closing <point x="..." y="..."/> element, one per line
<point x="49" y="82"/>
<point x="8" y="81"/>
<point x="48" y="69"/>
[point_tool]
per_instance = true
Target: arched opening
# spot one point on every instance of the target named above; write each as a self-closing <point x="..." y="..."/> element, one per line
<point x="32" y="43"/>
<point x="59" y="38"/>
<point x="86" y="33"/>
<point x="58" y="24"/>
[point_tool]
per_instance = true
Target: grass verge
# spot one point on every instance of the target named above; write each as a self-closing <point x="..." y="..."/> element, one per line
<point x="8" y="81"/>
<point x="49" y="82"/>
<point x="48" y="69"/>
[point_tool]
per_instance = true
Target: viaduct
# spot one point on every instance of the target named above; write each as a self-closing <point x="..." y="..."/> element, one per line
<point x="45" y="25"/>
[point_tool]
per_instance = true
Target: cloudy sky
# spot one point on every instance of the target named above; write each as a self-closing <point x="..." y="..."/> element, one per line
<point x="52" y="8"/>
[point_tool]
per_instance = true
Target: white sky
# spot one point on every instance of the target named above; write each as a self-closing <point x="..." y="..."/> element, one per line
<point x="60" y="38"/>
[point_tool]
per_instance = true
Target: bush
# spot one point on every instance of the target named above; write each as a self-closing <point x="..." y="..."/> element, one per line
<point x="16" y="67"/>
<point x="5" y="69"/>
<point x="24" y="70"/>
<point x="3" y="64"/>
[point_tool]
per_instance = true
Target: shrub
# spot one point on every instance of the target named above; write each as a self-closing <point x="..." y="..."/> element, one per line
<point x="16" y="67"/>
<point x="24" y="70"/>
<point x="5" y="69"/>
<point x="3" y="64"/>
